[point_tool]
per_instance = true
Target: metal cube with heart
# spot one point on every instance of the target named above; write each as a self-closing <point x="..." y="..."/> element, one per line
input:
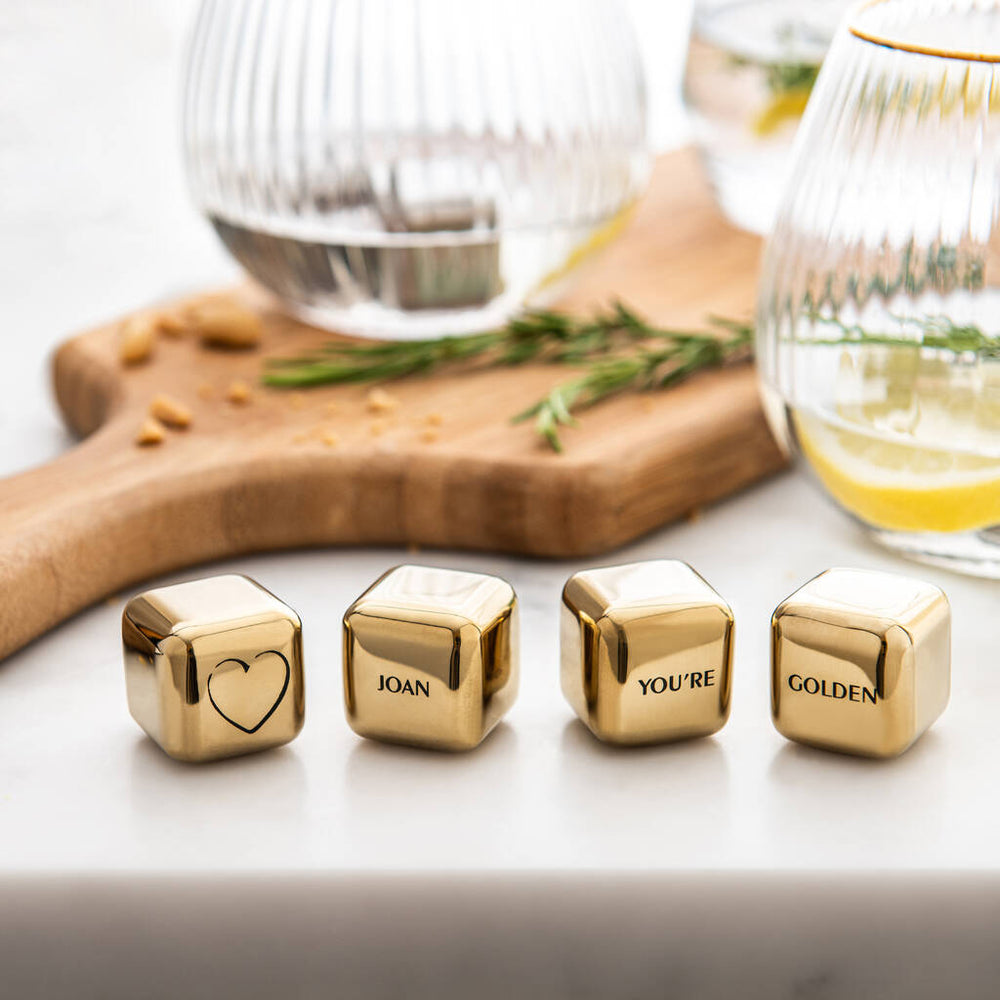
<point x="213" y="667"/>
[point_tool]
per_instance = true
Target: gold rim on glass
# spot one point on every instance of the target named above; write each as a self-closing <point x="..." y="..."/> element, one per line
<point x="922" y="50"/>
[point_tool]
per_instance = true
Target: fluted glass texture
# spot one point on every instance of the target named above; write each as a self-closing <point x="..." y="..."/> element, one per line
<point x="878" y="309"/>
<point x="413" y="167"/>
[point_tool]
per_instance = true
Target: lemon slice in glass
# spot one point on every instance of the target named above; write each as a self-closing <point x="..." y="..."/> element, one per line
<point x="779" y="110"/>
<point x="898" y="485"/>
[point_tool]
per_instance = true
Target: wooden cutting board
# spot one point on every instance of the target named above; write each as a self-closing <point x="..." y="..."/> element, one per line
<point x="109" y="514"/>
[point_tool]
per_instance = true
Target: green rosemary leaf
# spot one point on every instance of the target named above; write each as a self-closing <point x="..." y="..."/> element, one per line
<point x="546" y="426"/>
<point x="785" y="77"/>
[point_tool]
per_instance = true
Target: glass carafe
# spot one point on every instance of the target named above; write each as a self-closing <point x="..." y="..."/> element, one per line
<point x="409" y="168"/>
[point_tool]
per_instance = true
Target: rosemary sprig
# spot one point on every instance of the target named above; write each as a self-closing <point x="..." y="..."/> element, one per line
<point x="782" y="78"/>
<point x="646" y="368"/>
<point x="790" y="77"/>
<point x="936" y="332"/>
<point x="787" y="75"/>
<point x="538" y="335"/>
<point x="617" y="348"/>
<point x="338" y="363"/>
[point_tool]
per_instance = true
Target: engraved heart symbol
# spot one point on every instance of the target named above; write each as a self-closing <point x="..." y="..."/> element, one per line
<point x="246" y="694"/>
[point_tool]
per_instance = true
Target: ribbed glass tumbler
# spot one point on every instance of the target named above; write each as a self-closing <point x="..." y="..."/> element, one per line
<point x="407" y="168"/>
<point x="879" y="312"/>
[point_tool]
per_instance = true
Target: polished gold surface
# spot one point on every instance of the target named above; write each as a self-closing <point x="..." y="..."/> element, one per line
<point x="213" y="668"/>
<point x="647" y="652"/>
<point x="431" y="657"/>
<point x="860" y="661"/>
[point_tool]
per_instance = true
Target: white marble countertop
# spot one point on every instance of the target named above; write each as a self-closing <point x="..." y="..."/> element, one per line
<point x="94" y="220"/>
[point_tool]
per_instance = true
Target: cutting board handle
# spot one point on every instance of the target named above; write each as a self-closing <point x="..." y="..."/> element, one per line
<point x="66" y="529"/>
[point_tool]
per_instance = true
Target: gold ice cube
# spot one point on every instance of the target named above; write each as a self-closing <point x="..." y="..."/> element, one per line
<point x="860" y="661"/>
<point x="431" y="657"/>
<point x="647" y="652"/>
<point x="213" y="667"/>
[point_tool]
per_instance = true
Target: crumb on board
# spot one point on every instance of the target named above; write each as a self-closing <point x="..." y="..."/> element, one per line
<point x="136" y="338"/>
<point x="150" y="432"/>
<point x="238" y="393"/>
<point x="170" y="411"/>
<point x="331" y="409"/>
<point x="226" y="325"/>
<point x="206" y="390"/>
<point x="693" y="516"/>
<point x="296" y="400"/>
<point x="330" y="439"/>
<point x="429" y="436"/>
<point x="434" y="419"/>
<point x="378" y="427"/>
<point x="379" y="401"/>
<point x="171" y="324"/>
